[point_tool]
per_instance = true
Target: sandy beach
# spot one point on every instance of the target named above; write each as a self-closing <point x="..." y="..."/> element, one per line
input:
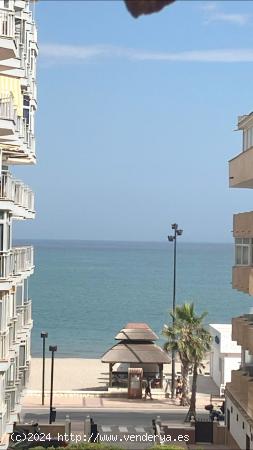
<point x="70" y="374"/>
<point x="73" y="374"/>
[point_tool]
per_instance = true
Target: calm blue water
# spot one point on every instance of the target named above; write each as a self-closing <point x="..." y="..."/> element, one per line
<point x="84" y="292"/>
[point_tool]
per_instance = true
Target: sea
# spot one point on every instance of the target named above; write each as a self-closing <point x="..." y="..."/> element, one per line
<point x="84" y="292"/>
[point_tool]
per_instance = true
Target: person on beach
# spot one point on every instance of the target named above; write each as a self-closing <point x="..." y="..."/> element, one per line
<point x="148" y="390"/>
<point x="179" y="387"/>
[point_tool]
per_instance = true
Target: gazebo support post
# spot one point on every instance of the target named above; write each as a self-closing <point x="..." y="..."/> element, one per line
<point x="161" y="375"/>
<point x="110" y="374"/>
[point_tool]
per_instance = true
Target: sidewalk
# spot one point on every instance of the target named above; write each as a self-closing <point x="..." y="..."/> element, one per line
<point x="70" y="401"/>
<point x="82" y="383"/>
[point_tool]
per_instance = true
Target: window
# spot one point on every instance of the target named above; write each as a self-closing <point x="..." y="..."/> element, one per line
<point x="6" y="4"/>
<point x="1" y="236"/>
<point x="26" y="295"/>
<point x="243" y="251"/>
<point x="19" y="295"/>
<point x="22" y="355"/>
<point x="248" y="358"/>
<point x="26" y="109"/>
<point x="247" y="138"/>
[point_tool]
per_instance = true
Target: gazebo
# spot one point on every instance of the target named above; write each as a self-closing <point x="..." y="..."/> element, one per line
<point x="136" y="349"/>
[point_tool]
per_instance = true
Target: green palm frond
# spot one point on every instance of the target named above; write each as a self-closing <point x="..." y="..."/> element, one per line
<point x="187" y="335"/>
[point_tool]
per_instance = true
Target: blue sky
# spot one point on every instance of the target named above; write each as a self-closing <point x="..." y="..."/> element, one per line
<point x="136" y="120"/>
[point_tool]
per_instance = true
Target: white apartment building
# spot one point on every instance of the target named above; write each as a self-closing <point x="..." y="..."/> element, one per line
<point x="18" y="103"/>
<point x="225" y="354"/>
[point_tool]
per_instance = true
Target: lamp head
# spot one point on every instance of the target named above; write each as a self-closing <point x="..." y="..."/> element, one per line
<point x="174" y="226"/>
<point x="170" y="238"/>
<point x="44" y="334"/>
<point x="53" y="348"/>
<point x="179" y="232"/>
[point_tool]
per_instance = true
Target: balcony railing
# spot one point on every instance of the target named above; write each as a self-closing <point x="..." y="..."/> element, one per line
<point x="24" y="132"/>
<point x="24" y="316"/>
<point x="7" y="109"/>
<point x="16" y="261"/>
<point x="7" y="24"/>
<point x="28" y="312"/>
<point x="16" y="191"/>
<point x="242" y="279"/>
<point x="240" y="173"/>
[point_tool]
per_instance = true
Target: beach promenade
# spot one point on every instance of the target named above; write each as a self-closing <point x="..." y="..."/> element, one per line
<point x="83" y="383"/>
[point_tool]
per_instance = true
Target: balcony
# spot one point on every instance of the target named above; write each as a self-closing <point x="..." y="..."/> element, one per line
<point x="241" y="389"/>
<point x="240" y="170"/>
<point x="242" y="331"/>
<point x="16" y="261"/>
<point x="25" y="135"/>
<point x="28" y="313"/>
<point x="8" y="116"/>
<point x="242" y="279"/>
<point x="243" y="225"/>
<point x="17" y="192"/>
<point x="7" y="35"/>
<point x="24" y="316"/>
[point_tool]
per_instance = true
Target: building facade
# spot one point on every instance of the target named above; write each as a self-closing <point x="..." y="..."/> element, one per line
<point x="239" y="392"/>
<point x="18" y="103"/>
<point x="225" y="355"/>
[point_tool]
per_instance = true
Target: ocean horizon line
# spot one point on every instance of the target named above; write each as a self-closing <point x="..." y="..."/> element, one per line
<point x="104" y="241"/>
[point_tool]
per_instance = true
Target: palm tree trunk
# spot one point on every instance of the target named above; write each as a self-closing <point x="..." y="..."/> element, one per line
<point x="192" y="409"/>
<point x="185" y="382"/>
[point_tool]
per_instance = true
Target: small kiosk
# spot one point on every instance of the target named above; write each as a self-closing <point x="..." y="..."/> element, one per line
<point x="135" y="376"/>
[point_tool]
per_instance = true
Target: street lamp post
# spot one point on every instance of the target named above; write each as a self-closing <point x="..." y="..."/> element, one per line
<point x="53" y="349"/>
<point x="43" y="335"/>
<point x="173" y="238"/>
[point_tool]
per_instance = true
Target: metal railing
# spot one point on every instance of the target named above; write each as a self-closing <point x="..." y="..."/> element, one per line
<point x="7" y="109"/>
<point x="7" y="24"/>
<point x="20" y="319"/>
<point x="24" y="315"/>
<point x="25" y="134"/>
<point x="28" y="312"/>
<point x="16" y="191"/>
<point x="16" y="261"/>
<point x="22" y="129"/>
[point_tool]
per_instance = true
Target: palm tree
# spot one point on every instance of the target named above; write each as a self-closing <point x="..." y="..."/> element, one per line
<point x="182" y="338"/>
<point x="201" y="345"/>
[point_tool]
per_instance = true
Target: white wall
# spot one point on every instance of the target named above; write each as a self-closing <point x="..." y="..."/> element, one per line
<point x="236" y="426"/>
<point x="225" y="355"/>
<point x="214" y="367"/>
<point x="230" y="363"/>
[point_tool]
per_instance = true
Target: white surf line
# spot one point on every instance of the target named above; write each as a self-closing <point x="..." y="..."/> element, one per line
<point x="140" y="429"/>
<point x="106" y="429"/>
<point x="123" y="429"/>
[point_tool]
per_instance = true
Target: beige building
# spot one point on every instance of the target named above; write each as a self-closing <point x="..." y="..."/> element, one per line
<point x="239" y="392"/>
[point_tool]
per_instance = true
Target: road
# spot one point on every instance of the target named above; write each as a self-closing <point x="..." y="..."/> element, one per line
<point x="106" y="417"/>
<point x="117" y="423"/>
